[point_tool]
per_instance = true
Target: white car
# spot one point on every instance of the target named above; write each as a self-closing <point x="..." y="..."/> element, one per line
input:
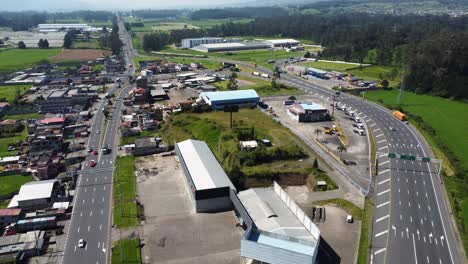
<point x="81" y="243"/>
<point x="392" y="128"/>
<point x="349" y="219"/>
<point x="98" y="132"/>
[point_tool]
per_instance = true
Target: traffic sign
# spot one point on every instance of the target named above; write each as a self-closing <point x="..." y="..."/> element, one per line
<point x="392" y="155"/>
<point x="426" y="159"/>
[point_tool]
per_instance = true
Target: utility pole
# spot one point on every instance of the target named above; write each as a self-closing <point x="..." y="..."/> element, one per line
<point x="402" y="86"/>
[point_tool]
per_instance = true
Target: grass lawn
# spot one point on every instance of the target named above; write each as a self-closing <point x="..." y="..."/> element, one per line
<point x="125" y="210"/>
<point x="262" y="87"/>
<point x="4" y="141"/>
<point x="328" y="66"/>
<point x="4" y="204"/>
<point x="443" y="115"/>
<point x="17" y="59"/>
<point x="375" y="72"/>
<point x="131" y="251"/>
<point x="23" y="116"/>
<point x="8" y="92"/>
<point x="12" y="183"/>
<point x="213" y="128"/>
<point x="83" y="44"/>
<point x="365" y="225"/>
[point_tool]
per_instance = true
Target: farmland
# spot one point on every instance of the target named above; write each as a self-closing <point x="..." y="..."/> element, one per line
<point x="18" y="59"/>
<point x="263" y="87"/>
<point x="79" y="55"/>
<point x="8" y="92"/>
<point x="12" y="183"/>
<point x="125" y="209"/>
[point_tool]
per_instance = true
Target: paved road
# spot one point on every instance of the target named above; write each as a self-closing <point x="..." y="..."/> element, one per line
<point x="411" y="223"/>
<point x="91" y="217"/>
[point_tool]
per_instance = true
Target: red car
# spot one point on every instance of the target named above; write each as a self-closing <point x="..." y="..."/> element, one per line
<point x="92" y="163"/>
<point x="95" y="152"/>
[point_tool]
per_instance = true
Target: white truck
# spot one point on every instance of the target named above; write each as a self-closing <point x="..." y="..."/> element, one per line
<point x="264" y="75"/>
<point x="255" y="73"/>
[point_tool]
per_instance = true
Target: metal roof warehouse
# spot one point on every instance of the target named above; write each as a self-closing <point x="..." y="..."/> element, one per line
<point x="242" y="98"/>
<point x="208" y="184"/>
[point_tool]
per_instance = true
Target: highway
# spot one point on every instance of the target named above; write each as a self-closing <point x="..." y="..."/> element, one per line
<point x="411" y="218"/>
<point x="92" y="204"/>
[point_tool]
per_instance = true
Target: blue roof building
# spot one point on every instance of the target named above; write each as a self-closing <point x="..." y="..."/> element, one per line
<point x="241" y="98"/>
<point x="307" y="112"/>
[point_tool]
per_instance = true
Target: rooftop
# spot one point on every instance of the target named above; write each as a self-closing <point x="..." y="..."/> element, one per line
<point x="10" y="212"/>
<point x="302" y="107"/>
<point x="204" y="169"/>
<point x="36" y="190"/>
<point x="145" y="142"/>
<point x="279" y="41"/>
<point x="50" y="120"/>
<point x="230" y="95"/>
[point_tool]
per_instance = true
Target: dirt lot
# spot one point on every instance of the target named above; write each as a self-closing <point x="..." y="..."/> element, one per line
<point x="173" y="233"/>
<point x="80" y="54"/>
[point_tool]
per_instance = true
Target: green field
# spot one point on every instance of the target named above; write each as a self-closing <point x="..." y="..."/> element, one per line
<point x="23" y="116"/>
<point x="18" y="59"/>
<point x="4" y="204"/>
<point x="8" y="92"/>
<point x="443" y="115"/>
<point x="290" y="167"/>
<point x="12" y="183"/>
<point x="131" y="251"/>
<point x="124" y="192"/>
<point x="84" y="44"/>
<point x="165" y="25"/>
<point x="263" y="87"/>
<point x="4" y="141"/>
<point x="329" y="66"/>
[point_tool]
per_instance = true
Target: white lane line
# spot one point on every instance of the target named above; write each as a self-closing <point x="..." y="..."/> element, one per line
<point x="379" y="251"/>
<point x="89" y="227"/>
<point x="78" y="229"/>
<point x="384" y="181"/>
<point x="384" y="192"/>
<point x="427" y="257"/>
<point x="372" y="125"/>
<point x="384" y="171"/>
<point x="100" y="227"/>
<point x="91" y="213"/>
<point x="415" y="255"/>
<point x="375" y="130"/>
<point x="383" y="163"/>
<point x="104" y="187"/>
<point x="102" y="211"/>
<point x="383" y="204"/>
<point x="384" y="147"/>
<point x="378" y="135"/>
<point x="103" y="199"/>
<point x="75" y="248"/>
<point x="381" y="141"/>
<point x="83" y="201"/>
<point x="381" y="233"/>
<point x="382" y="218"/>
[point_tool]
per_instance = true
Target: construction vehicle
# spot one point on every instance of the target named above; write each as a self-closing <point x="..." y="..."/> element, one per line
<point x="399" y="115"/>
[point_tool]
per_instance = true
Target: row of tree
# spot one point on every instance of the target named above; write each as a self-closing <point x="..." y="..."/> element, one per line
<point x="238" y="12"/>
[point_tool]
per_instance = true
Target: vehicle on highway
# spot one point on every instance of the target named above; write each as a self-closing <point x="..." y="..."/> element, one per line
<point x="271" y="61"/>
<point x="392" y="128"/>
<point x="98" y="132"/>
<point x="92" y="163"/>
<point x="106" y="150"/>
<point x="288" y="102"/>
<point x="81" y="243"/>
<point x="359" y="132"/>
<point x="130" y="65"/>
<point x="90" y="150"/>
<point x="95" y="152"/>
<point x="264" y="75"/>
<point x="399" y="115"/>
<point x="349" y="219"/>
<point x="118" y="80"/>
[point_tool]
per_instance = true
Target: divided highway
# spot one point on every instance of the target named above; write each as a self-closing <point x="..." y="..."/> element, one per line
<point x="92" y="205"/>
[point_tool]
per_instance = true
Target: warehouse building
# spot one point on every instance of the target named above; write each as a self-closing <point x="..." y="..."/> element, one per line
<point x="307" y="112"/>
<point x="207" y="183"/>
<point x="193" y="42"/>
<point x="277" y="230"/>
<point x="241" y="98"/>
<point x="35" y="195"/>
<point x="231" y="46"/>
<point x="282" y="42"/>
<point x="316" y="73"/>
<point x="65" y="27"/>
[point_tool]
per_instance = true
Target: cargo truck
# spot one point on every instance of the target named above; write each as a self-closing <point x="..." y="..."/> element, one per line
<point x="399" y="115"/>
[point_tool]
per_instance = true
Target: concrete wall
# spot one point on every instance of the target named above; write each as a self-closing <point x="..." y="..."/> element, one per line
<point x="213" y="205"/>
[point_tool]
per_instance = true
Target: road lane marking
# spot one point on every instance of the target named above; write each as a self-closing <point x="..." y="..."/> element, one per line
<point x="78" y="229"/>
<point x="384" y="147"/>
<point x="383" y="163"/>
<point x="85" y="189"/>
<point x="383" y="204"/>
<point x="100" y="226"/>
<point x="83" y="201"/>
<point x="102" y="211"/>
<point x="415" y="255"/>
<point x="384" y="171"/>
<point x="104" y="187"/>
<point x="75" y="248"/>
<point x="401" y="217"/>
<point x="382" y="218"/>
<point x="103" y="199"/>
<point x="411" y="219"/>
<point x="427" y="257"/>
<point x="91" y="213"/>
<point x="89" y="227"/>
<point x="379" y="251"/>
<point x="379" y="135"/>
<point x="384" y="181"/>
<point x="381" y="233"/>
<point x="381" y="141"/>
<point x="384" y="192"/>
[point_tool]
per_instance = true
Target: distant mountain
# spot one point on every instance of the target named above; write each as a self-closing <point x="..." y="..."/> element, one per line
<point x="43" y="5"/>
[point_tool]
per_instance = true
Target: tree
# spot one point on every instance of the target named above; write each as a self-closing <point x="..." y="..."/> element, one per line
<point x="17" y="96"/>
<point x="307" y="54"/>
<point x="274" y="85"/>
<point x="67" y="40"/>
<point x="232" y="84"/>
<point x="341" y="149"/>
<point x="317" y="132"/>
<point x="385" y="84"/>
<point x="87" y="35"/>
<point x="1" y="42"/>
<point x="293" y="98"/>
<point x="315" y="164"/>
<point x="43" y="44"/>
<point x="21" y="45"/>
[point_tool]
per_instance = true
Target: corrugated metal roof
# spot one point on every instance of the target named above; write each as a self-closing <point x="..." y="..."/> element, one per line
<point x="282" y="41"/>
<point x="36" y="190"/>
<point x="204" y="169"/>
<point x="229" y="95"/>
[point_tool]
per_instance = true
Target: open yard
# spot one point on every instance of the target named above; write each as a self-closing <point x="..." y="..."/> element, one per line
<point x="125" y="209"/>
<point x="86" y="44"/>
<point x="4" y="141"/>
<point x="443" y="115"/>
<point x="263" y="87"/>
<point x="131" y="251"/>
<point x="80" y="55"/>
<point x="286" y="161"/>
<point x="8" y="92"/>
<point x="18" y="59"/>
<point x="23" y="116"/>
<point x="12" y="183"/>
<point x="329" y="66"/>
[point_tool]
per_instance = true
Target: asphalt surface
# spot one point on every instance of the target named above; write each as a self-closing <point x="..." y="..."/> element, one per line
<point x="92" y="205"/>
<point x="411" y="219"/>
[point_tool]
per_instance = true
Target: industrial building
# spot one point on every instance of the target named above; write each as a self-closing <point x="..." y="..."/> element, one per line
<point x="193" y="42"/>
<point x="282" y="42"/>
<point x="65" y="27"/>
<point x="307" y="112"/>
<point x="277" y="230"/>
<point x="17" y="248"/>
<point x="241" y="98"/>
<point x="316" y="73"/>
<point x="35" y="194"/>
<point x="207" y="183"/>
<point x="231" y="46"/>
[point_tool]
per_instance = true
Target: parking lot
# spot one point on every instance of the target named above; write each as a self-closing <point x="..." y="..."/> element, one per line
<point x="172" y="232"/>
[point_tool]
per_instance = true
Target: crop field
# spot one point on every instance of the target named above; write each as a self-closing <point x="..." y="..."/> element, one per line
<point x="12" y="183"/>
<point x="12" y="60"/>
<point x="443" y="115"/>
<point x="31" y="39"/>
<point x="83" y="44"/>
<point x="8" y="92"/>
<point x="80" y="55"/>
